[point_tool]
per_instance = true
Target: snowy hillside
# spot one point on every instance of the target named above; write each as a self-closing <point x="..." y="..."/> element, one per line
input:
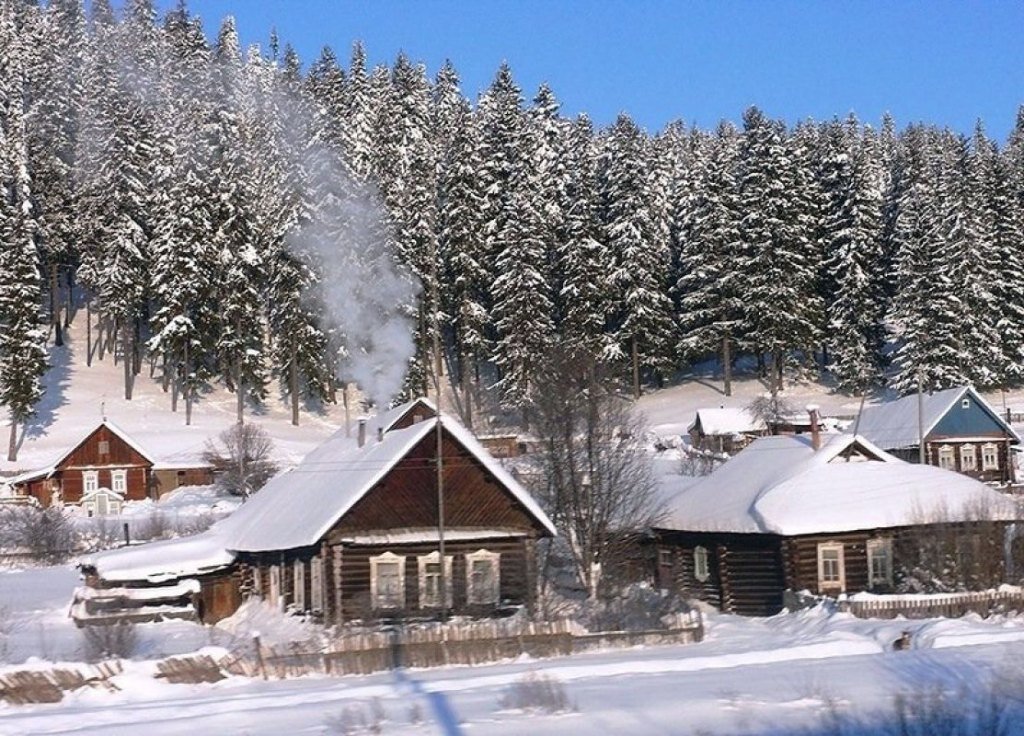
<point x="77" y="396"/>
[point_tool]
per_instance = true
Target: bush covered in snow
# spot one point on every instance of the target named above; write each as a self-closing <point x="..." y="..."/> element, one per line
<point x="47" y="535"/>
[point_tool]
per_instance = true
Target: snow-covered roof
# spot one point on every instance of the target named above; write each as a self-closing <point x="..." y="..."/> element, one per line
<point x="296" y="508"/>
<point x="894" y="424"/>
<point x="781" y="485"/>
<point x="165" y="560"/>
<point x="727" y="420"/>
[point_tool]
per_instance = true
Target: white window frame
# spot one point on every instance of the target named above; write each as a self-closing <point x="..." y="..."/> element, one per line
<point x="965" y="403"/>
<point x="422" y="562"/>
<point x="990" y="447"/>
<point x="316" y="584"/>
<point x="375" y="598"/>
<point x="299" y="585"/>
<point x="475" y="597"/>
<point x="968" y="457"/>
<point x="830" y="585"/>
<point x="103" y="447"/>
<point x="701" y="568"/>
<point x="874" y="546"/>
<point x="119" y="478"/>
<point x="90" y="481"/>
<point x="947" y="457"/>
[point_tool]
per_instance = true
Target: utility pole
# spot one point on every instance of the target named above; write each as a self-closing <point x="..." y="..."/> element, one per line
<point x="920" y="417"/>
<point x="443" y="578"/>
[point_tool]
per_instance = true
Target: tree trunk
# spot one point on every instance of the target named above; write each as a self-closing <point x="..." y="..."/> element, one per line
<point x="12" y="448"/>
<point x="727" y="364"/>
<point x="165" y="380"/>
<point x="467" y="391"/>
<point x="127" y="359"/>
<point x="187" y="388"/>
<point x="136" y="346"/>
<point x="175" y="386"/>
<point x="71" y="297"/>
<point x="293" y="386"/>
<point x="239" y="395"/>
<point x="636" y="370"/>
<point x="777" y="360"/>
<point x="58" y="331"/>
<point x="88" y="332"/>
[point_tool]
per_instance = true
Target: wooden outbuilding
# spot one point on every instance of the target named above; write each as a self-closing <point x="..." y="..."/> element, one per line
<point x="354" y="531"/>
<point x="828" y="514"/>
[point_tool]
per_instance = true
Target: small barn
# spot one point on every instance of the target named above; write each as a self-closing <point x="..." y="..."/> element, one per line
<point x="829" y="514"/>
<point x="961" y="432"/>
<point x="105" y="469"/>
<point x="725" y="429"/>
<point x="359" y="531"/>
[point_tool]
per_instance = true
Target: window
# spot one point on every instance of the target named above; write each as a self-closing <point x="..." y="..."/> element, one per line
<point x="831" y="572"/>
<point x="181" y="478"/>
<point x="119" y="481"/>
<point x="700" y="564"/>
<point x="90" y="481"/>
<point x="968" y="458"/>
<point x="387" y="581"/>
<point x="316" y="584"/>
<point x="430" y="580"/>
<point x="946" y="458"/>
<point x="299" y="585"/>
<point x="989" y="457"/>
<point x="104" y="447"/>
<point x="965" y="404"/>
<point x="483" y="582"/>
<point x="879" y="562"/>
<point x="665" y="557"/>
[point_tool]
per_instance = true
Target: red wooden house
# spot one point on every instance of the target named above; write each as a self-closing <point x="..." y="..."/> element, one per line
<point x="354" y="532"/>
<point x="105" y="469"/>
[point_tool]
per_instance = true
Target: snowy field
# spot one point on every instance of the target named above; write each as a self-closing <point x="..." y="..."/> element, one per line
<point x="750" y="676"/>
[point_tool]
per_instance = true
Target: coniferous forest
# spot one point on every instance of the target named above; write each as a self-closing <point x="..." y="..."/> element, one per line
<point x="247" y="217"/>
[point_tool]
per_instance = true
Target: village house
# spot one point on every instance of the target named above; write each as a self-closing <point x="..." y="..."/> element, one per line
<point x="725" y="429"/>
<point x="961" y="432"/>
<point x="353" y="532"/>
<point x="105" y="469"/>
<point x="829" y="514"/>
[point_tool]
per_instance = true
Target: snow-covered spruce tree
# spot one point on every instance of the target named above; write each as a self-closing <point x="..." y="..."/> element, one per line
<point x="583" y="260"/>
<point x="711" y="289"/>
<point x="464" y="281"/>
<point x="22" y="352"/>
<point x="358" y="131"/>
<point x="408" y="182"/>
<point x="239" y="345"/>
<point x="546" y="130"/>
<point x="853" y="244"/>
<point x="926" y="310"/>
<point x="57" y="86"/>
<point x="515" y="231"/>
<point x="776" y="258"/>
<point x="642" y="311"/>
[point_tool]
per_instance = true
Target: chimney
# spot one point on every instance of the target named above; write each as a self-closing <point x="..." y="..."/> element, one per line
<point x="812" y="409"/>
<point x="362" y="431"/>
<point x="380" y="434"/>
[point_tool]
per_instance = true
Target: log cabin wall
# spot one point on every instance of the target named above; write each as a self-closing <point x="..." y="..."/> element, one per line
<point x="166" y="480"/>
<point x="801" y="555"/>
<point x="407" y="497"/>
<point x="746" y="571"/>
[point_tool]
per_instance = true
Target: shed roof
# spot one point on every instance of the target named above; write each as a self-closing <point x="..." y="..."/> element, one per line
<point x="894" y="424"/>
<point x="727" y="420"/>
<point x="781" y="485"/>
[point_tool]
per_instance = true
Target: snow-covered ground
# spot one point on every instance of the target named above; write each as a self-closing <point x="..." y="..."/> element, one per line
<point x="750" y="676"/>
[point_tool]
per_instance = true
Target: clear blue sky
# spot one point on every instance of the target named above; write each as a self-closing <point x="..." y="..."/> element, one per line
<point x="946" y="63"/>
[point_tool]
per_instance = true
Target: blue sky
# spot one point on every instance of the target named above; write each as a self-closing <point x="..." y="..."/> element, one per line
<point x="946" y="63"/>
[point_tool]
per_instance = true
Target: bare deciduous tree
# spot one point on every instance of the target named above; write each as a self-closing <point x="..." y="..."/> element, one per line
<point x="596" y="479"/>
<point x="771" y="409"/>
<point x="241" y="457"/>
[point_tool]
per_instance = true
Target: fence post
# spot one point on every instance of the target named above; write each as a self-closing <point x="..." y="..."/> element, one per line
<point x="259" y="655"/>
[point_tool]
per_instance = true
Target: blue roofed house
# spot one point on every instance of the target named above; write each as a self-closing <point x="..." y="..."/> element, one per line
<point x="961" y="432"/>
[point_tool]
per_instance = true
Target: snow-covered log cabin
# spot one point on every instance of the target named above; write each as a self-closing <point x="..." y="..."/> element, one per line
<point x="961" y="431"/>
<point x="352" y="532"/>
<point x="829" y="514"/>
<point x="725" y="429"/>
<point x="103" y="470"/>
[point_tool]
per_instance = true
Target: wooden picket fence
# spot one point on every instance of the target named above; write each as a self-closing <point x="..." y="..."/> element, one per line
<point x="951" y="605"/>
<point x="48" y="686"/>
<point x="434" y="646"/>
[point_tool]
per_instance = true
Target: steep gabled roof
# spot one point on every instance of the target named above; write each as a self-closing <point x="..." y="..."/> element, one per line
<point x="781" y="485"/>
<point x="727" y="420"/>
<point x="52" y="467"/>
<point x="894" y="424"/>
<point x="297" y="508"/>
